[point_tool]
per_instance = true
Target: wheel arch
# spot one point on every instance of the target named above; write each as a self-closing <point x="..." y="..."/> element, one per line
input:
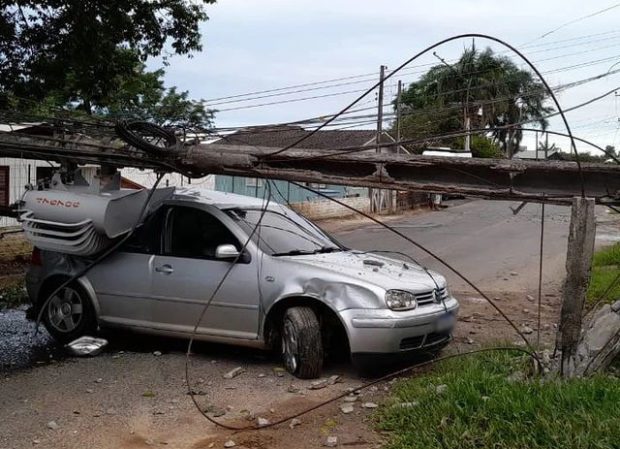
<point x="54" y="280"/>
<point x="324" y="311"/>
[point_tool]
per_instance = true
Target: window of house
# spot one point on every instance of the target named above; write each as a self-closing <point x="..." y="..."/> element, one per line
<point x="195" y="233"/>
<point x="253" y="182"/>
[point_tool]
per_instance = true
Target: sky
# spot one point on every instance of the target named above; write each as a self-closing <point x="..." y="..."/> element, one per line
<point x="254" y="45"/>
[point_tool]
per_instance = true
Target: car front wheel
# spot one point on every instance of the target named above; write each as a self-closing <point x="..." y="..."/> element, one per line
<point x="69" y="314"/>
<point x="302" y="347"/>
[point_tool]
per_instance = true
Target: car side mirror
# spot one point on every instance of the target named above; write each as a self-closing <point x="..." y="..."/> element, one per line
<point x="226" y="252"/>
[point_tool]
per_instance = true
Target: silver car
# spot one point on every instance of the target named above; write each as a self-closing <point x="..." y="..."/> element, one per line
<point x="293" y="288"/>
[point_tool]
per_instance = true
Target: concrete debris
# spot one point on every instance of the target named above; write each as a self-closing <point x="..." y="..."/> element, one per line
<point x="294" y="422"/>
<point x="261" y="375"/>
<point x="408" y="404"/>
<point x="156" y="353"/>
<point x="279" y="371"/>
<point x="331" y="441"/>
<point x="36" y="441"/>
<point x="292" y="388"/>
<point x="98" y="380"/>
<point x="514" y="273"/>
<point x="110" y="411"/>
<point x="470" y="341"/>
<point x="530" y="298"/>
<point x="369" y="405"/>
<point x="527" y="330"/>
<point x="350" y="398"/>
<point x="440" y="389"/>
<point x="234" y="372"/>
<point x="334" y="379"/>
<point x="53" y="425"/>
<point x="262" y="422"/>
<point x="90" y="390"/>
<point x="230" y="443"/>
<point x="318" y="384"/>
<point x="346" y="408"/>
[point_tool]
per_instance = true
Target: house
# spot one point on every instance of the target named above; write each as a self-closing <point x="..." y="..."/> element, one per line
<point x="536" y="154"/>
<point x="284" y="135"/>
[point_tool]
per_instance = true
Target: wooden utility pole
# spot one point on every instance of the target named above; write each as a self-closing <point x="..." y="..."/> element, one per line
<point x="376" y="195"/>
<point x="578" y="265"/>
<point x="398" y="115"/>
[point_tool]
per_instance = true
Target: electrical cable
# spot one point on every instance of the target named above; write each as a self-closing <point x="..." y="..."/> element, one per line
<point x="467" y="35"/>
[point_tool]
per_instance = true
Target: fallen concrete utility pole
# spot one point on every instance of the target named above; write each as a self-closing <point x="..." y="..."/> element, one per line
<point x="503" y="179"/>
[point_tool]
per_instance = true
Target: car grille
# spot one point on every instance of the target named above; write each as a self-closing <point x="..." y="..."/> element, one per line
<point x="424" y="340"/>
<point x="428" y="297"/>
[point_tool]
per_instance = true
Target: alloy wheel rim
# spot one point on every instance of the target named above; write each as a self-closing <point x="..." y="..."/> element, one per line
<point x="65" y="310"/>
<point x="289" y="347"/>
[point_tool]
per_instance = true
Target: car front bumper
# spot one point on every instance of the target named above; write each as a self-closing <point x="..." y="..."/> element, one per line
<point x="387" y="332"/>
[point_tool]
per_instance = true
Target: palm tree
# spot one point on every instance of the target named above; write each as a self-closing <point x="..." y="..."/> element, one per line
<point x="486" y="89"/>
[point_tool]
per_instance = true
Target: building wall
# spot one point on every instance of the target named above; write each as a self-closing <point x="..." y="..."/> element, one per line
<point x="323" y="209"/>
<point x="283" y="191"/>
<point x="147" y="178"/>
<point x="21" y="173"/>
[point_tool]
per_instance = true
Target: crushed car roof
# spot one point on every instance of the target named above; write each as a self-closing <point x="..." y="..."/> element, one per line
<point x="222" y="200"/>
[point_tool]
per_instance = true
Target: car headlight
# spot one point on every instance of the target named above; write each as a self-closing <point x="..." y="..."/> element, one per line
<point x="400" y="300"/>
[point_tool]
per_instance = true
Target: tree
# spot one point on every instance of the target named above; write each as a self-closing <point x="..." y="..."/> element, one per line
<point x="83" y="52"/>
<point x="487" y="89"/>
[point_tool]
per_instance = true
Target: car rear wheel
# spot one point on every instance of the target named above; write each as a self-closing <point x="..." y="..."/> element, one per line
<point x="69" y="314"/>
<point x="302" y="347"/>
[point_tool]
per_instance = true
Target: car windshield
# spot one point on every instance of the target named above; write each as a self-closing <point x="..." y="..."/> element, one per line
<point x="283" y="232"/>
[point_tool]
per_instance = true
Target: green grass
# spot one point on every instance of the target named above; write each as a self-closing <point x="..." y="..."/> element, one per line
<point x="482" y="408"/>
<point x="13" y="295"/>
<point x="605" y="268"/>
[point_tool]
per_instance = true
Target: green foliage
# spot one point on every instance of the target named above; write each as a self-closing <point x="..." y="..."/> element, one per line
<point x="480" y="146"/>
<point x="483" y="408"/>
<point x="605" y="270"/>
<point x="13" y="295"/>
<point x="82" y="52"/>
<point x="489" y="89"/>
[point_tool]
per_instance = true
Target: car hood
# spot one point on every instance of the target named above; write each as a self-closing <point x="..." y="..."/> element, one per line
<point x="384" y="272"/>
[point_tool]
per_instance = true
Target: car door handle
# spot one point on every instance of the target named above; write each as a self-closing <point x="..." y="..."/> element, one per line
<point x="166" y="269"/>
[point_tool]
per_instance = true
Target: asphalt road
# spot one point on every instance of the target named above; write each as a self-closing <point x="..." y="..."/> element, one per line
<point x="485" y="241"/>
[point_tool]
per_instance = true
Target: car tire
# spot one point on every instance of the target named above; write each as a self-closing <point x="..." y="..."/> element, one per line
<point x="302" y="346"/>
<point x="69" y="314"/>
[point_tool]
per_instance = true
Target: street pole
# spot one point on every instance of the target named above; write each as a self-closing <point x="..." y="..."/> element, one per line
<point x="398" y="115"/>
<point x="376" y="194"/>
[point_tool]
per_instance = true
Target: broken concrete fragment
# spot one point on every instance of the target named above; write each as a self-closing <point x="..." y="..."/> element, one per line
<point x="52" y="425"/>
<point x="527" y="330"/>
<point x="334" y="379"/>
<point x="234" y="372"/>
<point x="530" y="298"/>
<point x="262" y="422"/>
<point x="350" y="398"/>
<point x="318" y="384"/>
<point x="369" y="405"/>
<point x="156" y="353"/>
<point x="331" y="441"/>
<point x="294" y="422"/>
<point x="230" y="443"/>
<point x="440" y="389"/>
<point x="346" y="408"/>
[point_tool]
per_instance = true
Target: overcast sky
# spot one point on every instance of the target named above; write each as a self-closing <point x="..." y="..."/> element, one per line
<point x="256" y="45"/>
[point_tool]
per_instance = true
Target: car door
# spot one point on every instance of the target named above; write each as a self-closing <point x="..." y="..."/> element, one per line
<point x="122" y="281"/>
<point x="187" y="272"/>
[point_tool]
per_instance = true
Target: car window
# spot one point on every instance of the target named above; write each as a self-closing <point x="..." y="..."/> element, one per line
<point x="195" y="233"/>
<point x="282" y="233"/>
<point x="147" y="237"/>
